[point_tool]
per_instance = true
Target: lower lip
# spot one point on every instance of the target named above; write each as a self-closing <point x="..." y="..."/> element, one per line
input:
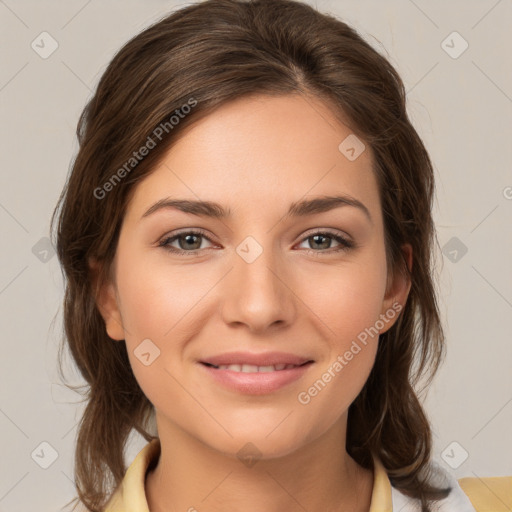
<point x="256" y="383"/>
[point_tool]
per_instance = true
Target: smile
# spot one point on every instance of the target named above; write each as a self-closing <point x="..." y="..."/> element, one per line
<point x="248" y="379"/>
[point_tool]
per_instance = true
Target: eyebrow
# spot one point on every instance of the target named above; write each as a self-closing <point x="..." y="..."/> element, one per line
<point x="297" y="209"/>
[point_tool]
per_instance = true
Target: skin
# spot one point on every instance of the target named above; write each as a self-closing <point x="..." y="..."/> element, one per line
<point x="256" y="156"/>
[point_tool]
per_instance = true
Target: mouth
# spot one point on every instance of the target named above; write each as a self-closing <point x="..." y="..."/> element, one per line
<point x="251" y="368"/>
<point x="255" y="374"/>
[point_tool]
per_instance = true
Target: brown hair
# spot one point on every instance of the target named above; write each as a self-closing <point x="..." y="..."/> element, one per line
<point x="185" y="66"/>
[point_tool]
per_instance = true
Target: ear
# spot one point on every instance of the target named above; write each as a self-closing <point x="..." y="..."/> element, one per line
<point x="105" y="296"/>
<point x="397" y="291"/>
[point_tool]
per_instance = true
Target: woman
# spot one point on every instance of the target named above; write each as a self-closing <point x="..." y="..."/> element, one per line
<point x="247" y="236"/>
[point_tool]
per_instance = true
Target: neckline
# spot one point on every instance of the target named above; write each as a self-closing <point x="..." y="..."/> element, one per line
<point x="131" y="497"/>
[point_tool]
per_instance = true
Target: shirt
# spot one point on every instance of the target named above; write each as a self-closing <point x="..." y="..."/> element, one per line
<point x="490" y="494"/>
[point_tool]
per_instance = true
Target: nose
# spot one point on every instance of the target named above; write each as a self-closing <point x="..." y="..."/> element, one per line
<point x="259" y="293"/>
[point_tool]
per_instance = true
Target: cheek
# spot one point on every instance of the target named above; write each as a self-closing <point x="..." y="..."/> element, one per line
<point x="162" y="309"/>
<point x="157" y="298"/>
<point x="344" y="300"/>
<point x="347" y="305"/>
<point x="348" y="360"/>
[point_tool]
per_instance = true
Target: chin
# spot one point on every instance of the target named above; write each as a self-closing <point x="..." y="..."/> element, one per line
<point x="265" y="434"/>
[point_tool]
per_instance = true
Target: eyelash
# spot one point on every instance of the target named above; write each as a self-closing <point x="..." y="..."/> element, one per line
<point x="345" y="244"/>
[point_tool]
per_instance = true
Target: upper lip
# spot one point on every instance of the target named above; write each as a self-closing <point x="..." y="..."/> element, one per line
<point x="261" y="359"/>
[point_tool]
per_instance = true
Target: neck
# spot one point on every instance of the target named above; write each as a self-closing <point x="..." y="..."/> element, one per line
<point x="320" y="476"/>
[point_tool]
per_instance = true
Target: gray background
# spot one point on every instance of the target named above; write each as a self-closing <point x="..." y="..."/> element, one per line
<point x="460" y="106"/>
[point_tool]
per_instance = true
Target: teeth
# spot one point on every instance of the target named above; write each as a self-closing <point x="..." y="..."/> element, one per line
<point x="267" y="369"/>
<point x="250" y="368"/>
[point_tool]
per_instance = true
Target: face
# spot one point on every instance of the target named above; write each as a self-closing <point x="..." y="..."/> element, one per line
<point x="278" y="279"/>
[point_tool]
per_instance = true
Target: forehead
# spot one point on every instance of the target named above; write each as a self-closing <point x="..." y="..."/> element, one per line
<point x="271" y="150"/>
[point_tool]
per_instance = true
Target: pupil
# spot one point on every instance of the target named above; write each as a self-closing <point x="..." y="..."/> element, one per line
<point x="188" y="237"/>
<point x="325" y="244"/>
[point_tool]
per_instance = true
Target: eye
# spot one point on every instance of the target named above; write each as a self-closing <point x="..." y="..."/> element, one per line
<point x="190" y="242"/>
<point x="323" y="240"/>
<point x="186" y="240"/>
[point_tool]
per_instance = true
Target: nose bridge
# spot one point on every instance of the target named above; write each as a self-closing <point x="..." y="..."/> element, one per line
<point x="257" y="291"/>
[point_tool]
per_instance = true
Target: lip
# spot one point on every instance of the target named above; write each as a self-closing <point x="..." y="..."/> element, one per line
<point x="256" y="383"/>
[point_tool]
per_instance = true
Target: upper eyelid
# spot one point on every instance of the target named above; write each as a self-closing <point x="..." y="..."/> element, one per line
<point x="327" y="231"/>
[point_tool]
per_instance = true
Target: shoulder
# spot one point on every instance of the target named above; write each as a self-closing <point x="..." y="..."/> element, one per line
<point x="130" y="495"/>
<point x="489" y="494"/>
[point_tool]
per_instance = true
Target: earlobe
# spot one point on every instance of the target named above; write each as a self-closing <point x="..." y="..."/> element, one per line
<point x="397" y="290"/>
<point x="106" y="300"/>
